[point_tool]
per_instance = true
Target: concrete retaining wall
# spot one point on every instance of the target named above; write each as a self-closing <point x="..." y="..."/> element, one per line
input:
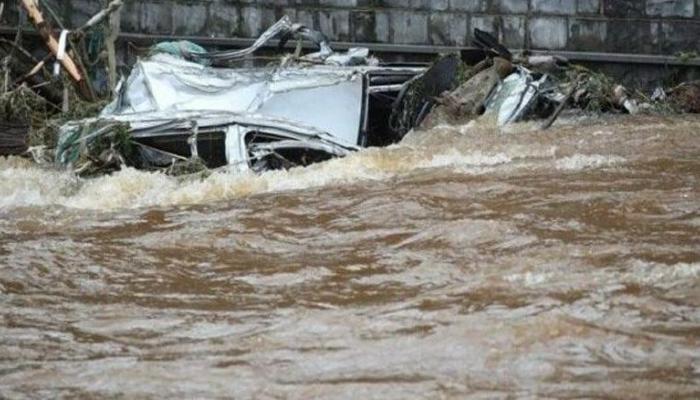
<point x="619" y="26"/>
<point x="639" y="27"/>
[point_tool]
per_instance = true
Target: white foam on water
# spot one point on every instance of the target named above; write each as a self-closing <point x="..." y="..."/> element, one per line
<point x="663" y="275"/>
<point x="455" y="158"/>
<point x="530" y="278"/>
<point x="456" y="149"/>
<point x="25" y="184"/>
<point x="579" y="162"/>
<point x="302" y="277"/>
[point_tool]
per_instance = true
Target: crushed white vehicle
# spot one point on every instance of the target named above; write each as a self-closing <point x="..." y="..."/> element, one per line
<point x="176" y="107"/>
<point x="180" y="106"/>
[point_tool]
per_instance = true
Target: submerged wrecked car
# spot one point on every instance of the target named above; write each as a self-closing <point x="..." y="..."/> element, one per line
<point x="185" y="106"/>
<point x="177" y="107"/>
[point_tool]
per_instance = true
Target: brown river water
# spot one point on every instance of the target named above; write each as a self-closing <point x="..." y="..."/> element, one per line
<point x="462" y="263"/>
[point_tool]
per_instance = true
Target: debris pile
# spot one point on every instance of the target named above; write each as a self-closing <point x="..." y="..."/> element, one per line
<point x="37" y="96"/>
<point x="185" y="110"/>
<point x="521" y="88"/>
<point x="686" y="97"/>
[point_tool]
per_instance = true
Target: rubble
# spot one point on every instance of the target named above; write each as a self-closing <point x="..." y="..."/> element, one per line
<point x="184" y="110"/>
<point x="179" y="109"/>
<point x="468" y="101"/>
<point x="686" y="97"/>
<point x="22" y="112"/>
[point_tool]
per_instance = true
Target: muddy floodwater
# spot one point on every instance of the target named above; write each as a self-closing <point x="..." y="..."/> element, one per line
<point x="462" y="263"/>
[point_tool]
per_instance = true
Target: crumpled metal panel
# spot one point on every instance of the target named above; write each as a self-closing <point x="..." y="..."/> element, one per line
<point x="283" y="25"/>
<point x="335" y="109"/>
<point x="515" y="96"/>
<point x="304" y="105"/>
<point x="354" y="56"/>
<point x="235" y="125"/>
<point x="329" y="98"/>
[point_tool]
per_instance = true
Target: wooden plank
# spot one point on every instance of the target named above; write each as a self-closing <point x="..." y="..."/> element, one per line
<point x="44" y="31"/>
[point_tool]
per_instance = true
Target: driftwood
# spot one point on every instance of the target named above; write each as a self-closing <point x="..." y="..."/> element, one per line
<point x="111" y="12"/>
<point x="550" y="121"/>
<point x="468" y="100"/>
<point x="73" y="63"/>
<point x="112" y="36"/>
<point x="16" y="47"/>
<point x="112" y="7"/>
<point x="35" y="70"/>
<point x="67" y="62"/>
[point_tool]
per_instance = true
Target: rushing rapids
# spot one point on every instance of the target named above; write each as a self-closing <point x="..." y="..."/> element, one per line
<point x="462" y="262"/>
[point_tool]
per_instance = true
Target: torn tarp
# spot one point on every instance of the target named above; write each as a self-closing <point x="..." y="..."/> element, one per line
<point x="180" y="48"/>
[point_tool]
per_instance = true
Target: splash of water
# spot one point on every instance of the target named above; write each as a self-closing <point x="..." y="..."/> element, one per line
<point x="476" y="148"/>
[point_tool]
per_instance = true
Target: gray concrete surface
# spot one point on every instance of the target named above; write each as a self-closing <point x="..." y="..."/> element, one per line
<point x="627" y="26"/>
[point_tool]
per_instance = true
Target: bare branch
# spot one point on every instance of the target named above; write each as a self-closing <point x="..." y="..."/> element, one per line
<point x="113" y="6"/>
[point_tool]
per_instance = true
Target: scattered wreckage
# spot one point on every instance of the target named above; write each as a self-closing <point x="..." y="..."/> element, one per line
<point x="177" y="108"/>
<point x="184" y="109"/>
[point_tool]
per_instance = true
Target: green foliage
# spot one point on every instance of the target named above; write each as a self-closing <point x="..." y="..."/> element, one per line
<point x="189" y="167"/>
<point x="45" y="132"/>
<point x="464" y="72"/>
<point x="687" y="56"/>
<point x="95" y="148"/>
<point x="597" y="88"/>
<point x="24" y="105"/>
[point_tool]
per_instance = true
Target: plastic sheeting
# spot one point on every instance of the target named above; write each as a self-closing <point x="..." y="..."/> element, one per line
<point x="181" y="48"/>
